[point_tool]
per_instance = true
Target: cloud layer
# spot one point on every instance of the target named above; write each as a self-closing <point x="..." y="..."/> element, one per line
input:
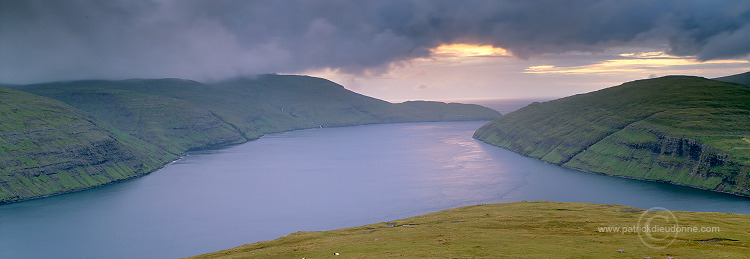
<point x="213" y="40"/>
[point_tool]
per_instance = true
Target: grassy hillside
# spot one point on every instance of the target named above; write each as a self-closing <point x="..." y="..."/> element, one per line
<point x="680" y="129"/>
<point x="743" y="79"/>
<point x="180" y="115"/>
<point x="126" y="128"/>
<point x="49" y="147"/>
<point x="313" y="102"/>
<point x="516" y="230"/>
<point x="170" y="123"/>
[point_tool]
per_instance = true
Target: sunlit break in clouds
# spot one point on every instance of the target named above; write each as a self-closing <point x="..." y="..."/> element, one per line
<point x="391" y="49"/>
<point x="468" y="50"/>
<point x="640" y="62"/>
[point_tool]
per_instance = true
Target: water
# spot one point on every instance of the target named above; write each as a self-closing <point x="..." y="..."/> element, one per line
<point x="308" y="180"/>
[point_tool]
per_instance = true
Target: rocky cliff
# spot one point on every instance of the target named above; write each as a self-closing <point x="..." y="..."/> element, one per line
<point x="678" y="129"/>
<point x="49" y="147"/>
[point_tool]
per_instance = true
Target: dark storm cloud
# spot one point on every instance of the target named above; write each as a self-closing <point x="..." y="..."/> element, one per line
<point x="204" y="40"/>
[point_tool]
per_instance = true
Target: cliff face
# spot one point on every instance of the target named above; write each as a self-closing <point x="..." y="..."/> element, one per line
<point x="642" y="151"/>
<point x="123" y="129"/>
<point x="678" y="129"/>
<point x="49" y="147"/>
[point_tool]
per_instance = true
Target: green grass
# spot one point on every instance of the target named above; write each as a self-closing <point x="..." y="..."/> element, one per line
<point x="514" y="230"/>
<point x="679" y="129"/>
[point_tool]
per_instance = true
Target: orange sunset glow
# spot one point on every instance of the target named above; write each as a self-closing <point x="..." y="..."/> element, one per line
<point x="468" y="50"/>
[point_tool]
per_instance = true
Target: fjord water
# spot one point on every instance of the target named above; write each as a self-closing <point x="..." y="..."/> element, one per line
<point x="308" y="180"/>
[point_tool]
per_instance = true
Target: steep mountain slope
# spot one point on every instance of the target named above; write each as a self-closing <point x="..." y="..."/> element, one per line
<point x="160" y="111"/>
<point x="49" y="147"/>
<point x="169" y="123"/>
<point x="679" y="129"/>
<point x="743" y="79"/>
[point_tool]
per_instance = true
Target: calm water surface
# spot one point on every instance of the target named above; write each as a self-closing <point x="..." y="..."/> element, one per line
<point x="309" y="180"/>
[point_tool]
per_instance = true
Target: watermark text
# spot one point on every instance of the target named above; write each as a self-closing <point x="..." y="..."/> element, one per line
<point x="658" y="229"/>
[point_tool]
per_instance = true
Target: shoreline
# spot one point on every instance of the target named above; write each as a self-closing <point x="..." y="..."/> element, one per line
<point x="209" y="147"/>
<point x="623" y="176"/>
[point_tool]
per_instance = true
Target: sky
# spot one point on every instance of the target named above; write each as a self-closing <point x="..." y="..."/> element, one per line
<point x="389" y="49"/>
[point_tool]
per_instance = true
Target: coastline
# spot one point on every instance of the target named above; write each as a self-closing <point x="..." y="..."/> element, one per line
<point x="209" y="147"/>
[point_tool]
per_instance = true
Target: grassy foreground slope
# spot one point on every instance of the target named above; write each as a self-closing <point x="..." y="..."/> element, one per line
<point x="679" y="129"/>
<point x="516" y="230"/>
<point x="49" y="147"/>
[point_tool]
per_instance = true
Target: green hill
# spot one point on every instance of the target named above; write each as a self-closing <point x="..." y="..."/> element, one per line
<point x="313" y="102"/>
<point x="519" y="230"/>
<point x="743" y="79"/>
<point x="150" y="122"/>
<point x="49" y="147"/>
<point x="679" y="129"/>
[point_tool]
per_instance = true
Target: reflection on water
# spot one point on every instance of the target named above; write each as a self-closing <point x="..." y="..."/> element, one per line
<point x="310" y="180"/>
